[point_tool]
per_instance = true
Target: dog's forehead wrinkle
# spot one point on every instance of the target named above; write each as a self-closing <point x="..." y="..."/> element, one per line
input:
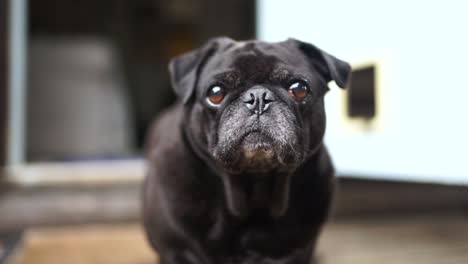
<point x="280" y="74"/>
<point x="255" y="68"/>
<point x="252" y="62"/>
<point x="229" y="76"/>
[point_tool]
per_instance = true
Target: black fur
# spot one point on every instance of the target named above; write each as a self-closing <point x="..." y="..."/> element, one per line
<point x="228" y="186"/>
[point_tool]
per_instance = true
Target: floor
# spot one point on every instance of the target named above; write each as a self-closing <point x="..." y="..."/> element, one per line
<point x="428" y="240"/>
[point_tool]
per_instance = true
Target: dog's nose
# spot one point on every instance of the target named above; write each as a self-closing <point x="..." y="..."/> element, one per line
<point x="258" y="99"/>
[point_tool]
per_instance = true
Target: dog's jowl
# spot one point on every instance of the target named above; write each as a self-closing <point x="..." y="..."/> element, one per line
<point x="238" y="172"/>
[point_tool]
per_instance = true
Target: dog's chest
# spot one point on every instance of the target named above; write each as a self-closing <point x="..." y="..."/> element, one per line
<point x="262" y="240"/>
<point x="258" y="234"/>
<point x="267" y="246"/>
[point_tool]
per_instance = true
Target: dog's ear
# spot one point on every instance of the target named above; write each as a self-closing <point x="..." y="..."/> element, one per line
<point x="329" y="66"/>
<point x="185" y="68"/>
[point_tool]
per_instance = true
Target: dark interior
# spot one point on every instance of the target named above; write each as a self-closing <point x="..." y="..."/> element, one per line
<point x="144" y="35"/>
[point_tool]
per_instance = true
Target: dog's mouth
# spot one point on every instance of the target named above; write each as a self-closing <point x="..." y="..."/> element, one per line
<point x="255" y="144"/>
<point x="254" y="150"/>
<point x="257" y="151"/>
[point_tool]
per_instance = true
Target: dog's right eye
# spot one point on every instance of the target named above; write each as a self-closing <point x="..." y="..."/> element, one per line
<point x="216" y="95"/>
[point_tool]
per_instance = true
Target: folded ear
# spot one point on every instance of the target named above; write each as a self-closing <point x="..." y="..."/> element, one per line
<point x="331" y="67"/>
<point x="184" y="69"/>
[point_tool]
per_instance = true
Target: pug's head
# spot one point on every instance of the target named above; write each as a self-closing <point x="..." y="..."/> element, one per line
<point x="254" y="106"/>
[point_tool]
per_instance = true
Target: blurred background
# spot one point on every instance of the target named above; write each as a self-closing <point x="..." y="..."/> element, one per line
<point x="81" y="81"/>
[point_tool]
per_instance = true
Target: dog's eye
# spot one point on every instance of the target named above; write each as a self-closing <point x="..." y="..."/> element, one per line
<point x="298" y="90"/>
<point x="216" y="94"/>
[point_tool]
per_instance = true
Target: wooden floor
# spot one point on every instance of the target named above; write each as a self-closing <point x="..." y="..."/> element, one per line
<point x="428" y="240"/>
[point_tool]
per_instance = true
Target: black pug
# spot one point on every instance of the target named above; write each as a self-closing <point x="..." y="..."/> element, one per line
<point x="238" y="172"/>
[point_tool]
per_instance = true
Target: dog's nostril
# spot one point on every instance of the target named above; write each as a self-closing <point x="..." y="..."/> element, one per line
<point x="268" y="97"/>
<point x="250" y="100"/>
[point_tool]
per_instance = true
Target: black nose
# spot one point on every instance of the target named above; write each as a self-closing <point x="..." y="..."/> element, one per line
<point x="258" y="99"/>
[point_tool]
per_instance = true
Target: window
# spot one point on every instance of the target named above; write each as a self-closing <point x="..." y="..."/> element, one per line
<point x="361" y="98"/>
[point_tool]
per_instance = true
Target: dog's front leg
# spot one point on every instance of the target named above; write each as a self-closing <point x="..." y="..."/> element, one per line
<point x="236" y="198"/>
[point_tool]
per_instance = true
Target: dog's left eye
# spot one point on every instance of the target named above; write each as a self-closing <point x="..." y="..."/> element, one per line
<point x="216" y="94"/>
<point x="298" y="90"/>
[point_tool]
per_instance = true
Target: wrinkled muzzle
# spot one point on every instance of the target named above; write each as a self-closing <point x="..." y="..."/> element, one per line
<point x="257" y="133"/>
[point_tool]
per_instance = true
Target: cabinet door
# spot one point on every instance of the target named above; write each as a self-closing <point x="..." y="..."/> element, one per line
<point x="410" y="58"/>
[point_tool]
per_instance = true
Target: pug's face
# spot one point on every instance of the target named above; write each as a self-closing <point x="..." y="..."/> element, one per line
<point x="256" y="107"/>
